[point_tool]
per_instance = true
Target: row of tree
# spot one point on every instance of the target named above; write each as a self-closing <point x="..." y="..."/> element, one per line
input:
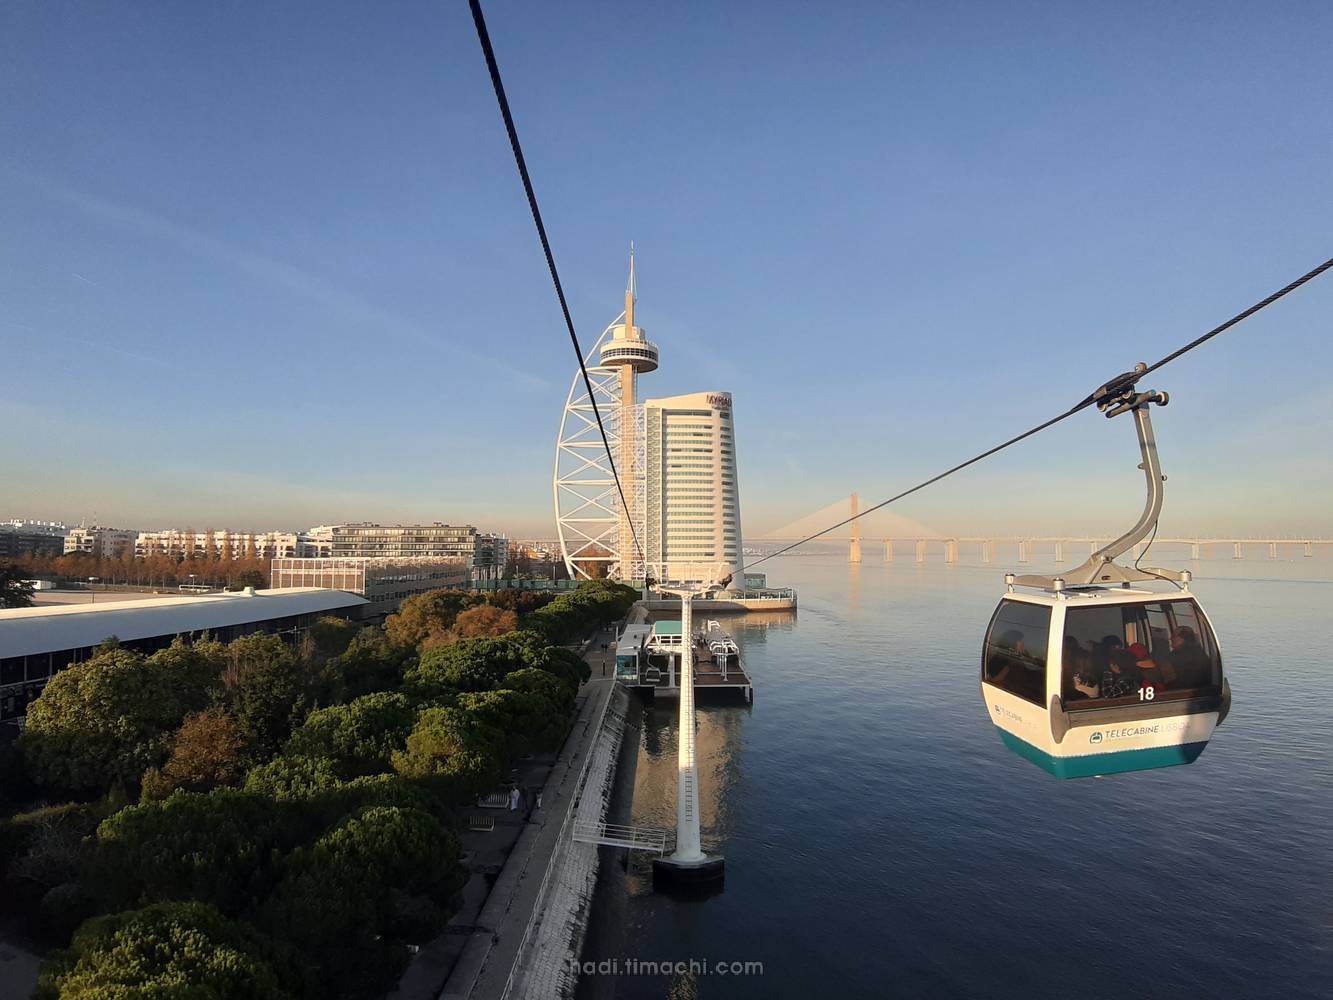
<point x="275" y="821"/>
<point x="148" y="571"/>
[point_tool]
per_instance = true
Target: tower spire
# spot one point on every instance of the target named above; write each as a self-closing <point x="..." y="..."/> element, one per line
<point x="631" y="293"/>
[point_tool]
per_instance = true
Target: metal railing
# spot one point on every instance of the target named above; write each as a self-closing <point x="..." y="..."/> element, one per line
<point x="534" y="918"/>
<point x="634" y="838"/>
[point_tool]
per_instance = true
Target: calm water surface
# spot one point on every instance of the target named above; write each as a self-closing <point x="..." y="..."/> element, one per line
<point x="881" y="842"/>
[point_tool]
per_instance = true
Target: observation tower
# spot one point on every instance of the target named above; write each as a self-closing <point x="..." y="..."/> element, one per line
<point x="596" y="538"/>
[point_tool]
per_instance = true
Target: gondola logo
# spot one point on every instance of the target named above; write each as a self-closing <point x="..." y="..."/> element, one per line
<point x="1095" y="738"/>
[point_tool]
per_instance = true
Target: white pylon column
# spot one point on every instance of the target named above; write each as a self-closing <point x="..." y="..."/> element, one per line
<point x="688" y="850"/>
<point x="689" y="863"/>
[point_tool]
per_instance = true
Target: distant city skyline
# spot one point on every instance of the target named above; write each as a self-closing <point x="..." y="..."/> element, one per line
<point x="263" y="270"/>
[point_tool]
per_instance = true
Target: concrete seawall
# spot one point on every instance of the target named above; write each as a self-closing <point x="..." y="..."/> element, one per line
<point x="532" y="924"/>
<point x="554" y="937"/>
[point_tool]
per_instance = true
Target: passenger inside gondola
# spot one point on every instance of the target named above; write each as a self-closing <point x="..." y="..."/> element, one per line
<point x="1122" y="677"/>
<point x="1079" y="669"/>
<point x="1192" y="667"/>
<point x="1155" y="650"/>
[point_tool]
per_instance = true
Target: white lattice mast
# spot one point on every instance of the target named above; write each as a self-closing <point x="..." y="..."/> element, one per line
<point x="590" y="518"/>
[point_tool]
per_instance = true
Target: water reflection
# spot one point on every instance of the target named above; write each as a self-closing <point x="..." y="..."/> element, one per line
<point x="873" y="823"/>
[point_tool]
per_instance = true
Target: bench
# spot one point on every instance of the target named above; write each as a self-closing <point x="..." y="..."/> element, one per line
<point x="482" y="824"/>
<point x="493" y="800"/>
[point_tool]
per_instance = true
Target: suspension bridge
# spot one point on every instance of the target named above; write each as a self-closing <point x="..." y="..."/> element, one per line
<point x="923" y="543"/>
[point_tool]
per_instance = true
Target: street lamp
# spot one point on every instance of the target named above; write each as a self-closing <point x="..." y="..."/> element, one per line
<point x="91" y="581"/>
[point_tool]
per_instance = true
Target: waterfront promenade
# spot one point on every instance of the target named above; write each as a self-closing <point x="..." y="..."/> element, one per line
<point x="478" y="954"/>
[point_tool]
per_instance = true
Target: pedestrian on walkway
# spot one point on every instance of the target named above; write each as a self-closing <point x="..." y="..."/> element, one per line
<point x="539" y="799"/>
<point x="513" y="799"/>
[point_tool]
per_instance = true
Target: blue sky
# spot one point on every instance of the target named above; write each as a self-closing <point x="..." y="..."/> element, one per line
<point x="269" y="265"/>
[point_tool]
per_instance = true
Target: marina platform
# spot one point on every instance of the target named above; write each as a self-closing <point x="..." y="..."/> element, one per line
<point x="648" y="662"/>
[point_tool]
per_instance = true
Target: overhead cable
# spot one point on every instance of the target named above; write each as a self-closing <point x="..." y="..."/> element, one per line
<point x="484" y="37"/>
<point x="1081" y="405"/>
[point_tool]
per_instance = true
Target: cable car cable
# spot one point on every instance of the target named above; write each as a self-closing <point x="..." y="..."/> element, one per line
<point x="1109" y="388"/>
<point x="484" y="37"/>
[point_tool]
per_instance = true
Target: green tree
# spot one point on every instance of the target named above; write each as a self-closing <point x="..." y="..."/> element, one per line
<point x="292" y="779"/>
<point x="466" y="665"/>
<point x="15" y="591"/>
<point x="251" y="578"/>
<point x="528" y="719"/>
<point x="371" y="662"/>
<point x="519" y="601"/>
<point x="221" y="847"/>
<point x="316" y="796"/>
<point x="105" y="721"/>
<point x="185" y="950"/>
<point x="359" y="737"/>
<point x="332" y="636"/>
<point x="596" y="603"/>
<point x="267" y="688"/>
<point x="544" y="684"/>
<point x="454" y="753"/>
<point x="481" y="664"/>
<point x="349" y="904"/>
<point x="567" y="665"/>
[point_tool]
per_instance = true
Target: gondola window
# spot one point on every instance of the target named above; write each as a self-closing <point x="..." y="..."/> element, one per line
<point x="1014" y="656"/>
<point x="1155" y="651"/>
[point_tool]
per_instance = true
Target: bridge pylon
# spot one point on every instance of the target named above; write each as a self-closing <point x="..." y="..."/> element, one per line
<point x="854" y="553"/>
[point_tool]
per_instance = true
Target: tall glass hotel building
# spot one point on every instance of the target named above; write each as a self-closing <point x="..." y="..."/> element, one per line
<point x="692" y="503"/>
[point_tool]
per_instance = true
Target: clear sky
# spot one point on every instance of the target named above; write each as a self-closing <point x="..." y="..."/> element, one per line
<point x="269" y="265"/>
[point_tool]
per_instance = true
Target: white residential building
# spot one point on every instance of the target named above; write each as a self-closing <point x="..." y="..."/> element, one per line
<point x="221" y="544"/>
<point x="34" y="527"/>
<point x="109" y="543"/>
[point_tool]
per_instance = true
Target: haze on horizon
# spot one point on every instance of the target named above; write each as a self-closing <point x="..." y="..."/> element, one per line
<point x="268" y="270"/>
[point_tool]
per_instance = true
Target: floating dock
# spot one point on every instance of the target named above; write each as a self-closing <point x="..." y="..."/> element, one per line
<point x="648" y="661"/>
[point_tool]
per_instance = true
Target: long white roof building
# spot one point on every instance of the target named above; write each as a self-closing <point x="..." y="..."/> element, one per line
<point x="50" y="627"/>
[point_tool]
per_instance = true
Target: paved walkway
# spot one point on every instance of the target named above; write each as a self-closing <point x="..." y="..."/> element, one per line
<point x="18" y="972"/>
<point x="495" y="934"/>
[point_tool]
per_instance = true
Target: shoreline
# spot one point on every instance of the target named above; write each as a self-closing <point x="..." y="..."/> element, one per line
<point x="531" y="921"/>
<point x="609" y="899"/>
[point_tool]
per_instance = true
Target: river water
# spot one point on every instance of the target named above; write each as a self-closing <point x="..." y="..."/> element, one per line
<point x="880" y="841"/>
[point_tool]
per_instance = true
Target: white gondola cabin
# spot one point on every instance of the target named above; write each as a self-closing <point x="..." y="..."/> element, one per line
<point x="1091" y="672"/>
<point x="1097" y="681"/>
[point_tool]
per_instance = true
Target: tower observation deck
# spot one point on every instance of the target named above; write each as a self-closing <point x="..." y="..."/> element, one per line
<point x="628" y="349"/>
